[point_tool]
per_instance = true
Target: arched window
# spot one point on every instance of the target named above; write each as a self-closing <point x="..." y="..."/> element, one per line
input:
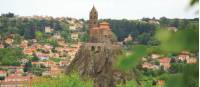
<point x="92" y="48"/>
<point x="90" y="16"/>
<point x="106" y="36"/>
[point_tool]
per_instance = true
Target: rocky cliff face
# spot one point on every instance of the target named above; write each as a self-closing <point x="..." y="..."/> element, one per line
<point x="96" y="60"/>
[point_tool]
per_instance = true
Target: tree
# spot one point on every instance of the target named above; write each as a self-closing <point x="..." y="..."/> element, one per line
<point x="37" y="70"/>
<point x="66" y="35"/>
<point x="84" y="37"/>
<point x="35" y="59"/>
<point x="164" y="21"/>
<point x="28" y="66"/>
<point x="38" y="35"/>
<point x="8" y="15"/>
<point x="122" y="28"/>
<point x="144" y="38"/>
<point x="29" y="32"/>
<point x="17" y="39"/>
<point x="153" y="42"/>
<point x="53" y="43"/>
<point x="10" y="56"/>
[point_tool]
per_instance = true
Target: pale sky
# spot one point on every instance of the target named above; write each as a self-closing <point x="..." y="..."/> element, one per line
<point x="114" y="9"/>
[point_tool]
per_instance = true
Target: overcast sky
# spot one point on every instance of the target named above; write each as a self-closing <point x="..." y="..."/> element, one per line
<point x="115" y="9"/>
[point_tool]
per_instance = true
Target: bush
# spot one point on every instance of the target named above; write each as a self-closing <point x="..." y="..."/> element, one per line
<point x="130" y="83"/>
<point x="72" y="80"/>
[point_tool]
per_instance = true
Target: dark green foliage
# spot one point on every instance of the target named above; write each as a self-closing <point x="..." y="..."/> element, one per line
<point x="10" y="56"/>
<point x="153" y="73"/>
<point x="10" y="24"/>
<point x="144" y="38"/>
<point x="164" y="21"/>
<point x="53" y="43"/>
<point x="37" y="70"/>
<point x="187" y="77"/>
<point x="178" y="41"/>
<point x="2" y="78"/>
<point x="17" y="39"/>
<point x="192" y="2"/>
<point x="8" y="15"/>
<point x="66" y="35"/>
<point x="124" y="27"/>
<point x="84" y="37"/>
<point x="191" y="75"/>
<point x="57" y="60"/>
<point x="30" y="32"/>
<point x="27" y="67"/>
<point x="34" y="59"/>
<point x="127" y="62"/>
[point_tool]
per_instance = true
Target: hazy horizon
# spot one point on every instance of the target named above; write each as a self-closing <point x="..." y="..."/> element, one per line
<point x="107" y="9"/>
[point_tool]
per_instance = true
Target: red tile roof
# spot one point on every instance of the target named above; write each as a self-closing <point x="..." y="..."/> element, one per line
<point x="17" y="78"/>
<point x="2" y="72"/>
<point x="165" y="60"/>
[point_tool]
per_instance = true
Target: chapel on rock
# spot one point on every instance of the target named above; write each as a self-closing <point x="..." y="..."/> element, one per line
<point x="96" y="57"/>
<point x="99" y="32"/>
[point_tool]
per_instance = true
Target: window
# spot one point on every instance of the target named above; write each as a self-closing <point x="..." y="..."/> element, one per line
<point x="92" y="48"/>
<point x="105" y="36"/>
<point x="90" y="16"/>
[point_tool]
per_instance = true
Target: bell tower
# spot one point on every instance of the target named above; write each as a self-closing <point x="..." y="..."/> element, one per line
<point x="93" y="18"/>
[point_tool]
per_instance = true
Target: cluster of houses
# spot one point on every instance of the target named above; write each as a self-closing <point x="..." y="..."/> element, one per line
<point x="14" y="77"/>
<point x="160" y="62"/>
<point x="46" y="56"/>
<point x="47" y="53"/>
<point x="53" y="58"/>
<point x="156" y="61"/>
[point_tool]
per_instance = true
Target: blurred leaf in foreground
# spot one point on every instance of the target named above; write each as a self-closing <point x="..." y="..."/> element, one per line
<point x="189" y="77"/>
<point x="127" y="62"/>
<point x="178" y="41"/>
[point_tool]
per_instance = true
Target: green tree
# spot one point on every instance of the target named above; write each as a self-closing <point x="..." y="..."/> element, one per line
<point x="10" y="56"/>
<point x="144" y="38"/>
<point x="28" y="66"/>
<point x="84" y="37"/>
<point x="66" y="35"/>
<point x="164" y="21"/>
<point x="38" y="35"/>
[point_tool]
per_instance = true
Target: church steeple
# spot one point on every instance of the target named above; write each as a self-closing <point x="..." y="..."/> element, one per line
<point x="93" y="18"/>
<point x="99" y="32"/>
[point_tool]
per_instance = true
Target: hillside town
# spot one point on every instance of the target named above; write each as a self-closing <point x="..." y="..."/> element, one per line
<point x="43" y="46"/>
<point x="51" y="60"/>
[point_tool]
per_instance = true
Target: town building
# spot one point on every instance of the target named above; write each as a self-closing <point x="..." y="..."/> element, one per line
<point x="165" y="63"/>
<point x="129" y="38"/>
<point x="48" y="30"/>
<point x="3" y="73"/>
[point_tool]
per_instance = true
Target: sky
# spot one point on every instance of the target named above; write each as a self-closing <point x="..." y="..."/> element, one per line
<point x="114" y="9"/>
